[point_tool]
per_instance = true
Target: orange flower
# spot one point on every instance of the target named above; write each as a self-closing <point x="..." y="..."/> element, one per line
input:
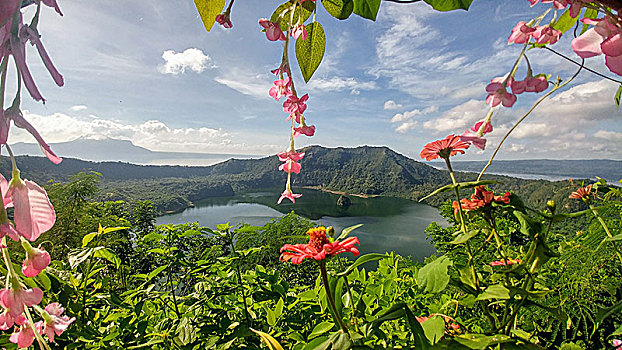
<point x="502" y="263"/>
<point x="318" y="248"/>
<point x="445" y="148"/>
<point x="480" y="198"/>
<point x="582" y="193"/>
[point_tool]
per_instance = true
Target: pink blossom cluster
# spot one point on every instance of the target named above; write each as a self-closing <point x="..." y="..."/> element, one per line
<point x="605" y="38"/>
<point x="293" y="105"/>
<point x="33" y="213"/>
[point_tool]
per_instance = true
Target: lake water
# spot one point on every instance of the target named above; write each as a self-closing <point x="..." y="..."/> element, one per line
<point x="390" y="224"/>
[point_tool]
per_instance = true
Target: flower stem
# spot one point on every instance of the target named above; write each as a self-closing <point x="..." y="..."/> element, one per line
<point x="330" y="297"/>
<point x="602" y="223"/>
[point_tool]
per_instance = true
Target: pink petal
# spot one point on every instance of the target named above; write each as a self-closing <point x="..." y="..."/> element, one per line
<point x="612" y="46"/>
<point x="34" y="214"/>
<point x="18" y="51"/>
<point x="20" y="122"/>
<point x="52" y="3"/>
<point x="33" y="36"/>
<point x="587" y="44"/>
<point x="31" y="297"/>
<point x="614" y="64"/>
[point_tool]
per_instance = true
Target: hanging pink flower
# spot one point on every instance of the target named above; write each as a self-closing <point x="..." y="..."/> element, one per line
<point x="497" y="94"/>
<point x="521" y="33"/>
<point x="299" y="32"/>
<point x="289" y="195"/>
<point x="475" y="136"/>
<point x="281" y="88"/>
<point x="290" y="167"/>
<point x="15" y="300"/>
<point x="304" y="130"/>
<point x="7" y="321"/>
<point x="294" y="105"/>
<point x="536" y="84"/>
<point x="290" y="155"/>
<point x="273" y="30"/>
<point x="54" y="323"/>
<point x="34" y="214"/>
<point x="36" y="261"/>
<point x="604" y="38"/>
<point x="24" y="337"/>
<point x="546" y="35"/>
<point x="15" y="114"/>
<point x="7" y="9"/>
<point x="224" y="20"/>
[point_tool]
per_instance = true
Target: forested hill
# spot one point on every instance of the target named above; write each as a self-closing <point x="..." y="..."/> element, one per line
<point x="363" y="170"/>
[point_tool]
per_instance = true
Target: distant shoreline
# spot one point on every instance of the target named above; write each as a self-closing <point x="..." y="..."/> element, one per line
<point x="320" y="188"/>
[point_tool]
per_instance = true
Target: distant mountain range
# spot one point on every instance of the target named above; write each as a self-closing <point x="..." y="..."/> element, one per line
<point x="123" y="151"/>
<point x="361" y="170"/>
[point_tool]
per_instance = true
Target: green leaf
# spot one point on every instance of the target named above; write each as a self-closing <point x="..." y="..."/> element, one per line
<point x="103" y="253"/>
<point x="618" y="95"/>
<point x="270" y="317"/>
<point x="272" y="343"/>
<point x="434" y="329"/>
<point x="565" y="22"/>
<point x="464" y="237"/>
<point x="45" y="280"/>
<point x="571" y="346"/>
<point x="340" y="9"/>
<point x="367" y="8"/>
<point x="460" y="186"/>
<point x="360" y="261"/>
<point x="589" y="13"/>
<point x="208" y="10"/>
<point x="341" y="341"/>
<point x="603" y="313"/>
<point x="309" y="52"/>
<point x="88" y="238"/>
<point x="278" y="309"/>
<point x="402" y="310"/>
<point x="433" y="276"/>
<point x="449" y="5"/>
<point x="496" y="291"/>
<point x="114" y="229"/>
<point x="282" y="14"/>
<point x="321" y="328"/>
<point x="186" y="332"/>
<point x="153" y="237"/>
<point x="156" y="272"/>
<point x="480" y="341"/>
<point x="346" y="231"/>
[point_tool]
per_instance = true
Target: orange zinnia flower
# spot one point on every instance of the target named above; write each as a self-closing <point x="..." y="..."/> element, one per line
<point x="480" y="198"/>
<point x="445" y="148"/>
<point x="582" y="193"/>
<point x="318" y="248"/>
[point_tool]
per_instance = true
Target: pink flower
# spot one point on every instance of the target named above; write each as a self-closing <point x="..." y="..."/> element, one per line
<point x="475" y="136"/>
<point x="14" y="44"/>
<point x="449" y="146"/>
<point x="281" y="88"/>
<point x="582" y="193"/>
<point x="616" y="343"/>
<point x="273" y="30"/>
<point x="290" y="155"/>
<point x="295" y="106"/>
<point x="502" y="262"/>
<point x="7" y="9"/>
<point x="497" y="93"/>
<point x="54" y="322"/>
<point x="7" y="321"/>
<point x="224" y="20"/>
<point x="18" y="119"/>
<point x="603" y="38"/>
<point x="289" y="195"/>
<point x="520" y="33"/>
<point x="536" y="84"/>
<point x="36" y="261"/>
<point x="52" y="3"/>
<point x="559" y="4"/>
<point x="546" y="35"/>
<point x="318" y="248"/>
<point x="299" y="31"/>
<point x="304" y="130"/>
<point x="34" y="214"/>
<point x="290" y="167"/>
<point x="14" y="301"/>
<point x="24" y="337"/>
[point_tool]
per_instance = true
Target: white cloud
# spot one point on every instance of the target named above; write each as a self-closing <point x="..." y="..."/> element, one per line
<point x="459" y="118"/>
<point x="406" y="119"/>
<point x="392" y="105"/>
<point x="177" y="63"/>
<point x="152" y="134"/>
<point x="340" y="84"/>
<point x="245" y="82"/>
<point x="78" y="108"/>
<point x="609" y="135"/>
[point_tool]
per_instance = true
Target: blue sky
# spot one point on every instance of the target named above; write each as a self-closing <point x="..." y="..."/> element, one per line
<point x="147" y="71"/>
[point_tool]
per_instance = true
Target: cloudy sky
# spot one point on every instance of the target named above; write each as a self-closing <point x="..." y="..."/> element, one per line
<point x="147" y="71"/>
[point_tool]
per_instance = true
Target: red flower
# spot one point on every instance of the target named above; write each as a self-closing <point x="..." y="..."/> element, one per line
<point x="582" y="193"/>
<point x="318" y="248"/>
<point x="445" y="148"/>
<point x="480" y="198"/>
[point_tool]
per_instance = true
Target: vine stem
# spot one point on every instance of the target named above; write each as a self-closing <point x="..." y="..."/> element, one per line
<point x="330" y="297"/>
<point x="557" y="87"/>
